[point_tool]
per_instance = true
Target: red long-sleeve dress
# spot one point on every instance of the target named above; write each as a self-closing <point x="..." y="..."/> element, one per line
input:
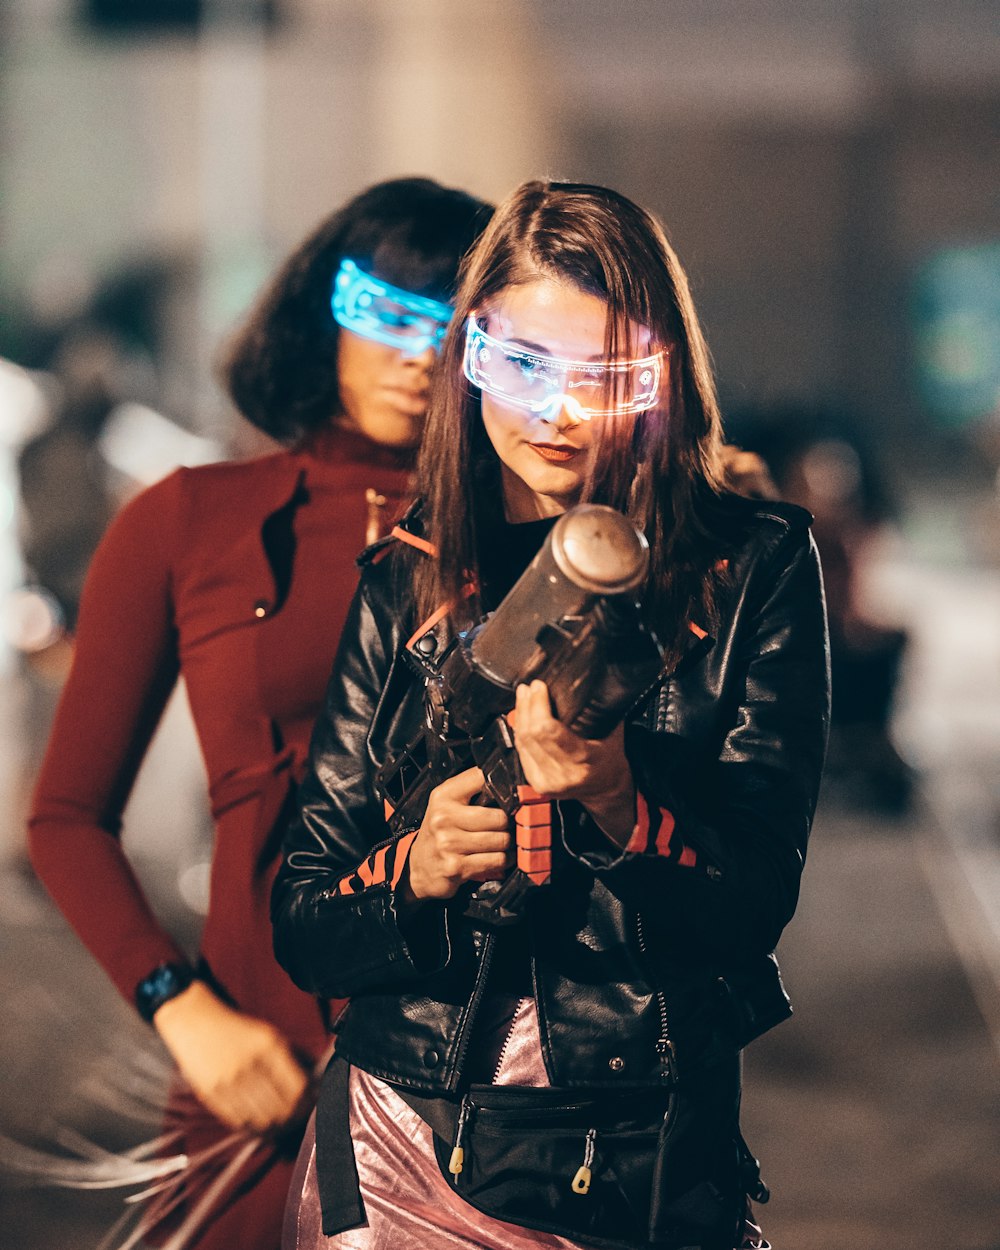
<point x="236" y="576"/>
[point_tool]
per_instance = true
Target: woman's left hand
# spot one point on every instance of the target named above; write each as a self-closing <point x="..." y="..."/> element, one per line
<point x="561" y="765"/>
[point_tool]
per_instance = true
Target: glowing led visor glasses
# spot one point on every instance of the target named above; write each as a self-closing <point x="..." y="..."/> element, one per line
<point x="545" y="384"/>
<point x="385" y="313"/>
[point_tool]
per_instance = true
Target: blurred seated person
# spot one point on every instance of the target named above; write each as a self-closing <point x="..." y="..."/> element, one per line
<point x="819" y="461"/>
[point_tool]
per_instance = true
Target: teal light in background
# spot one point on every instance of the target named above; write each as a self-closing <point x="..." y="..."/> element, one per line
<point x="957" y="325"/>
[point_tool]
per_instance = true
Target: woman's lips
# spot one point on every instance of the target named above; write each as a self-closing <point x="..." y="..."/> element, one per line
<point x="550" y="452"/>
<point x="409" y="401"/>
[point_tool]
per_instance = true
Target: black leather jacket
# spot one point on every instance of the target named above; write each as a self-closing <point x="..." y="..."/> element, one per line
<point x="644" y="963"/>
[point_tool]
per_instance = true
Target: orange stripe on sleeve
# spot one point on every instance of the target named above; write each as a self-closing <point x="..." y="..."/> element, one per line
<point x="639" y="841"/>
<point x="378" y="865"/>
<point x="665" y="832"/>
<point x="402" y="851"/>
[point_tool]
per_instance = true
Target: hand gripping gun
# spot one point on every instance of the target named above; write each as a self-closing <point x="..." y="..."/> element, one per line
<point x="573" y="621"/>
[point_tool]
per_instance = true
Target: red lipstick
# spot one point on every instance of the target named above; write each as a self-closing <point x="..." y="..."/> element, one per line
<point x="548" y="451"/>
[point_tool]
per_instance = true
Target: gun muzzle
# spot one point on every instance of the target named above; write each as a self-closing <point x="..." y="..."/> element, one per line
<point x="592" y="551"/>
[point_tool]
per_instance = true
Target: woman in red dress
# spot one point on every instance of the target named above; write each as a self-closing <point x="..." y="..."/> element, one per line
<point x="237" y="578"/>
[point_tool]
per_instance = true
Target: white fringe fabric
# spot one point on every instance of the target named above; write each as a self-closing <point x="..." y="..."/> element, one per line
<point x="162" y="1174"/>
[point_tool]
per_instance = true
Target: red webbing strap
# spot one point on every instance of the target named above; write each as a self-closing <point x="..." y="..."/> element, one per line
<point x="533" y="835"/>
<point x="421" y="544"/>
<point x="438" y="615"/>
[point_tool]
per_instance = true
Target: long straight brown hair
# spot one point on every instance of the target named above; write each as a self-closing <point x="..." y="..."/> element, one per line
<point x="661" y="468"/>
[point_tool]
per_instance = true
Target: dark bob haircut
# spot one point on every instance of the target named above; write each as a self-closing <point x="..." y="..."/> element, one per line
<point x="281" y="367"/>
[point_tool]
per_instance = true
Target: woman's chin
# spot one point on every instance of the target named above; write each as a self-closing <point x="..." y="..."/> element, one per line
<point x="391" y="426"/>
<point x="555" y="481"/>
<point x="540" y="494"/>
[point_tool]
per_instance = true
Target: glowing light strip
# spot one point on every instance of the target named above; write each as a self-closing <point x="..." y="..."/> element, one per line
<point x="654" y="362"/>
<point x="476" y="337"/>
<point x="354" y="293"/>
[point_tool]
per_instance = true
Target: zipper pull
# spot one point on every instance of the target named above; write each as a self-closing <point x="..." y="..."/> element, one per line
<point x="581" y="1182"/>
<point x="668" y="1058"/>
<point x="375" y="502"/>
<point x="457" y="1160"/>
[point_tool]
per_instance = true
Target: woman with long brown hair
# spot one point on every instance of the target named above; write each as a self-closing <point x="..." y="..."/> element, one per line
<point x="575" y="1074"/>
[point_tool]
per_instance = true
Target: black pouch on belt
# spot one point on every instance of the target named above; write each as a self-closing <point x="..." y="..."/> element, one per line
<point x="617" y="1169"/>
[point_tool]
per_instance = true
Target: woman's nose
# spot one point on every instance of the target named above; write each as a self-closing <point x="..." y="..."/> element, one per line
<point x="424" y="359"/>
<point x="563" y="413"/>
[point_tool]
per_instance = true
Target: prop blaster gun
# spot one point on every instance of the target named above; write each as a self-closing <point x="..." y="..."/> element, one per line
<point x="572" y="620"/>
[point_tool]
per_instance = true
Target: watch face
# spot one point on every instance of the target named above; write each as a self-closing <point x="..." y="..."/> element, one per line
<point x="162" y="984"/>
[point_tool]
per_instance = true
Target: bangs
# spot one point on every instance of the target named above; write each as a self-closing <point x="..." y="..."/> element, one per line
<point x="419" y="252"/>
<point x="396" y="260"/>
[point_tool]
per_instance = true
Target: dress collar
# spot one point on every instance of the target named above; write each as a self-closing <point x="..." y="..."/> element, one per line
<point x="337" y="445"/>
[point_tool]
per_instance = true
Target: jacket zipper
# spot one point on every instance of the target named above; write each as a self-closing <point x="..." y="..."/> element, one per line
<point x="465" y="1034"/>
<point x="664" y="1046"/>
<point x="506" y="1040"/>
<point x="330" y="892"/>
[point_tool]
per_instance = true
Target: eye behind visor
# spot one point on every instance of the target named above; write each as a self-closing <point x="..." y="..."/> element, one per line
<point x="535" y="381"/>
<point x="384" y="313"/>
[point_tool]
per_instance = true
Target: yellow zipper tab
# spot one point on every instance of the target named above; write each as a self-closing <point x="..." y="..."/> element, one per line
<point x="581" y="1182"/>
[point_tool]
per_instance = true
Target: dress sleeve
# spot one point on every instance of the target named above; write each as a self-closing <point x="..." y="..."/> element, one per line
<point x="124" y="667"/>
<point x="337" y="931"/>
<point x="718" y="849"/>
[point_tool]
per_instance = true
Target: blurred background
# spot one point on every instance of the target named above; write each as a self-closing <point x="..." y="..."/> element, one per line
<point x="830" y="175"/>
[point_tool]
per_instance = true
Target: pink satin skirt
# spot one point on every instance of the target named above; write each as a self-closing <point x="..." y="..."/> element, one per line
<point x="408" y="1203"/>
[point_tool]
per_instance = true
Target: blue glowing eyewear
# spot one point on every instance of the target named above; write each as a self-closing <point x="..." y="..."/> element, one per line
<point x="387" y="314"/>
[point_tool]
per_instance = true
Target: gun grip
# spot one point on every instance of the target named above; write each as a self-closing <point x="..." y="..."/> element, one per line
<point x="497" y="904"/>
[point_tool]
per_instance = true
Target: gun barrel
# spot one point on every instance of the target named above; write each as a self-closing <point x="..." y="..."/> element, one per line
<point x="592" y="551"/>
<point x="600" y="550"/>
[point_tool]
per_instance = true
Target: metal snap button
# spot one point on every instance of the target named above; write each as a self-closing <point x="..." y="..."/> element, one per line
<point x="431" y="1058"/>
<point x="260" y="608"/>
<point x="426" y="645"/>
<point x="617" y="1064"/>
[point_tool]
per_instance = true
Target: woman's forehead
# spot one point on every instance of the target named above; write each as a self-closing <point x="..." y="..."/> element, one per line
<point x="555" y="317"/>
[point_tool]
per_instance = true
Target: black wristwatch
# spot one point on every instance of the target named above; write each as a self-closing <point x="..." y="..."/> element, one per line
<point x="162" y="984"/>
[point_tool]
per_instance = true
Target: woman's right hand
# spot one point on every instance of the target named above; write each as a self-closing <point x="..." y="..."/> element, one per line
<point x="457" y="842"/>
<point x="239" y="1066"/>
